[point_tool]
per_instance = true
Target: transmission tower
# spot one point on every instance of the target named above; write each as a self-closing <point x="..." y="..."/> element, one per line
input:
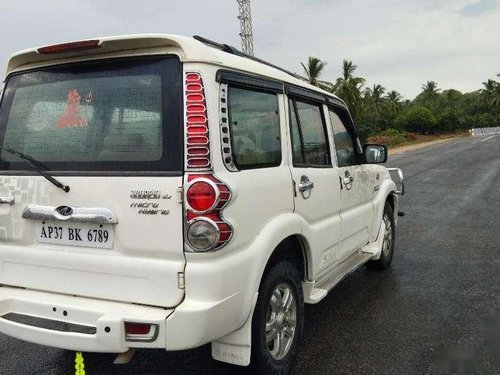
<point x="246" y="34"/>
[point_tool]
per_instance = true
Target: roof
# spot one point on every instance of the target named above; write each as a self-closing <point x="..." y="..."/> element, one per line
<point x="187" y="48"/>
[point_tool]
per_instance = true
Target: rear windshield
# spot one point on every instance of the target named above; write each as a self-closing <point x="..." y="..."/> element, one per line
<point x="102" y="116"/>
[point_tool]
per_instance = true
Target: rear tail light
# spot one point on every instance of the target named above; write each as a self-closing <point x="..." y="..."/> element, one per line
<point x="206" y="196"/>
<point x="70" y="47"/>
<point x="140" y="331"/>
<point x="202" y="234"/>
<point x="197" y="140"/>
<point x="202" y="195"/>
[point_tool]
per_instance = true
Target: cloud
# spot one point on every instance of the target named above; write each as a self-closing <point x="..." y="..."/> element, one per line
<point x="397" y="43"/>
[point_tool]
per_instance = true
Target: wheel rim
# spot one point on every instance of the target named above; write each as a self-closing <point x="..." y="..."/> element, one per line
<point x="388" y="237"/>
<point x="281" y="321"/>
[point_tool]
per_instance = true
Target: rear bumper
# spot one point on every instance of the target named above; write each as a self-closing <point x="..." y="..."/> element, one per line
<point x="91" y="325"/>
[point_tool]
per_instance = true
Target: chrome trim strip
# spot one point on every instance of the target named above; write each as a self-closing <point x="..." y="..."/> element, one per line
<point x="7" y="200"/>
<point x="225" y="134"/>
<point x="94" y="215"/>
<point x="49" y="324"/>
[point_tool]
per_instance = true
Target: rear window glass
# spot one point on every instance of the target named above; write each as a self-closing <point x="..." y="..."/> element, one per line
<point x="103" y="116"/>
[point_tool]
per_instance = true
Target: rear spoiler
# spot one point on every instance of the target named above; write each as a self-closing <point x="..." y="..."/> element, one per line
<point x="95" y="47"/>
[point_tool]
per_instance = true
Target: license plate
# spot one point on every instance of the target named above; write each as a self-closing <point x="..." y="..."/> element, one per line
<point x="75" y="234"/>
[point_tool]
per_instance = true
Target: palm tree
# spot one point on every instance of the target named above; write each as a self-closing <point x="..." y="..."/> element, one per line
<point x="393" y="101"/>
<point x="313" y="71"/>
<point x="431" y="87"/>
<point x="491" y="94"/>
<point x="348" y="87"/>
<point x="429" y="95"/>
<point x="374" y="98"/>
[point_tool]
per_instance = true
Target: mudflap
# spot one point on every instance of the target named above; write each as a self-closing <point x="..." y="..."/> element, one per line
<point x="236" y="347"/>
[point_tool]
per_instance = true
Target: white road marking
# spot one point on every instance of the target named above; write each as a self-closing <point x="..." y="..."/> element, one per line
<point x="491" y="136"/>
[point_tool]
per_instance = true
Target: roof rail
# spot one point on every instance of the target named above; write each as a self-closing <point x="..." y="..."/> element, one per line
<point x="234" y="51"/>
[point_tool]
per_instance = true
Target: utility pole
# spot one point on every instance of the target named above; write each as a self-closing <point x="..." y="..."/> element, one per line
<point x="245" y="17"/>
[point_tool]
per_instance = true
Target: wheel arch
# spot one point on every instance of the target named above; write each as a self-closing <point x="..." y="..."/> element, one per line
<point x="294" y="249"/>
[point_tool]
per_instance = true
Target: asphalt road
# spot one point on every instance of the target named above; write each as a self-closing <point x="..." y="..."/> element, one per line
<point x="436" y="311"/>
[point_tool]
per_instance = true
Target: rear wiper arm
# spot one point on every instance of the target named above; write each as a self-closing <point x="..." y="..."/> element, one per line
<point x="39" y="166"/>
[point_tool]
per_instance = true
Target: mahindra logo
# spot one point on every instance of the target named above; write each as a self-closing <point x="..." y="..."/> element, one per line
<point x="64" y="210"/>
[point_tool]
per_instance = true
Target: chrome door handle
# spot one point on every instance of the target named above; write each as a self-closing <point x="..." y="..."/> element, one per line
<point x="305" y="185"/>
<point x="348" y="180"/>
<point x="7" y="200"/>
<point x="94" y="215"/>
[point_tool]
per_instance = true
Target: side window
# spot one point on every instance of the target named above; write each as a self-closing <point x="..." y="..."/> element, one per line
<point x="309" y="139"/>
<point x="255" y="128"/>
<point x="344" y="146"/>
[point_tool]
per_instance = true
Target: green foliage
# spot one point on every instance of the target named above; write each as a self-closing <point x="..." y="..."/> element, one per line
<point x="378" y="111"/>
<point x="450" y="121"/>
<point x="417" y="119"/>
<point x="313" y="69"/>
<point x="348" y="87"/>
<point x="392" y="132"/>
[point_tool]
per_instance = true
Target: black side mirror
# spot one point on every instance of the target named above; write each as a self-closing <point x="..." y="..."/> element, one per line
<point x="375" y="154"/>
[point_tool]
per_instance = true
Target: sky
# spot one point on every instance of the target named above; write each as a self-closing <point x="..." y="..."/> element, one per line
<point x="399" y="44"/>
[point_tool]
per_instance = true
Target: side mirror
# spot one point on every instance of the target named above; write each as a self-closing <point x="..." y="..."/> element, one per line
<point x="375" y="154"/>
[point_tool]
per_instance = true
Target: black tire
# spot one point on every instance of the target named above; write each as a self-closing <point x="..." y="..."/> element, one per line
<point x="282" y="275"/>
<point x="385" y="260"/>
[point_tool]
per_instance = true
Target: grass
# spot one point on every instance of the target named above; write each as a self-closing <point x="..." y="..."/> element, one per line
<point x="396" y="139"/>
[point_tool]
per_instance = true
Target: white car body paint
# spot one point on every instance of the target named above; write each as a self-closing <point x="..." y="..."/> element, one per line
<point x="192" y="298"/>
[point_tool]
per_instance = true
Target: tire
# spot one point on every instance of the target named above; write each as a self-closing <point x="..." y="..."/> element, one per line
<point x="280" y="301"/>
<point x="385" y="260"/>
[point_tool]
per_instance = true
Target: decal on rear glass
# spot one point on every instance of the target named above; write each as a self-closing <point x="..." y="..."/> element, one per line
<point x="71" y="118"/>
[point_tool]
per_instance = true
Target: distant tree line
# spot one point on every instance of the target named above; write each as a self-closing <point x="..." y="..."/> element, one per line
<point x="377" y="110"/>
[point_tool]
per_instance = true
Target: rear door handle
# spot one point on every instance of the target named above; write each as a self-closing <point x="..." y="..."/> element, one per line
<point x="347" y="180"/>
<point x="93" y="215"/>
<point x="305" y="184"/>
<point x="7" y="200"/>
<point x="305" y="187"/>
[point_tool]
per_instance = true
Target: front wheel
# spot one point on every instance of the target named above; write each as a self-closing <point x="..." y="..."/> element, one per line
<point x="387" y="252"/>
<point x="278" y="320"/>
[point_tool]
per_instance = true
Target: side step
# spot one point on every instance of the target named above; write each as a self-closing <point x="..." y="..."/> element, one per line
<point x="315" y="292"/>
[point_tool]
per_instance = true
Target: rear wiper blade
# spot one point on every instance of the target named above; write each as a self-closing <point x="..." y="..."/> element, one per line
<point x="39" y="166"/>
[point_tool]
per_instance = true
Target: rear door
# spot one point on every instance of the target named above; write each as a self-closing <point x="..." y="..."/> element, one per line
<point x="356" y="197"/>
<point x="112" y="132"/>
<point x="317" y="189"/>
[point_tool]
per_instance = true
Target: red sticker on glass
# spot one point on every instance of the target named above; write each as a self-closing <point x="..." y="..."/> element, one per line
<point x="71" y="117"/>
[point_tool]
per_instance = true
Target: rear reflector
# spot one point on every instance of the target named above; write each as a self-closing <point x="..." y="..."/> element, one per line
<point x="137" y="328"/>
<point x="69" y="47"/>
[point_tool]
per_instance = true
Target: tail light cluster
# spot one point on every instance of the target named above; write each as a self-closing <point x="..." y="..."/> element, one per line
<point x="197" y="140"/>
<point x="206" y="196"/>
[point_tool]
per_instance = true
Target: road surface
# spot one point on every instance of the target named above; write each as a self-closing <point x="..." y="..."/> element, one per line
<point x="432" y="312"/>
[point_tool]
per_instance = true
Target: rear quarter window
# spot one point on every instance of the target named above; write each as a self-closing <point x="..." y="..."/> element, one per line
<point x="255" y="128"/>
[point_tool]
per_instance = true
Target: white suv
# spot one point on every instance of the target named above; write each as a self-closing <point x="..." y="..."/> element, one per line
<point x="161" y="191"/>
